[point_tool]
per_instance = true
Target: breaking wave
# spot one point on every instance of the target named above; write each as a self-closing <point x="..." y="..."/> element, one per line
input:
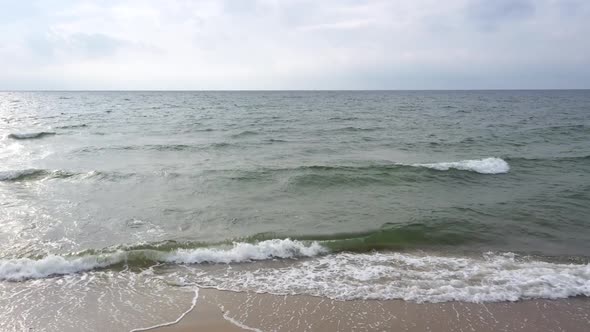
<point x="334" y="273"/>
<point x="323" y="175"/>
<point x="19" y="175"/>
<point x="483" y="166"/>
<point x="26" y="268"/>
<point x="417" y="277"/>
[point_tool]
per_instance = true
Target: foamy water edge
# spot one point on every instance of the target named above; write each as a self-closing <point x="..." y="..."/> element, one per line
<point x="343" y="276"/>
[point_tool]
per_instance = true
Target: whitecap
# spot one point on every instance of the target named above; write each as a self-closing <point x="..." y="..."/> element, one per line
<point x="491" y="165"/>
<point x="243" y="252"/>
<point x="26" y="268"/>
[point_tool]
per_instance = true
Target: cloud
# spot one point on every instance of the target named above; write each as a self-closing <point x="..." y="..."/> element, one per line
<point x="490" y="14"/>
<point x="294" y="44"/>
<point x="79" y="44"/>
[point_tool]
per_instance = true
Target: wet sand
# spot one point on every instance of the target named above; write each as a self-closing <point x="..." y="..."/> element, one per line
<point x="229" y="311"/>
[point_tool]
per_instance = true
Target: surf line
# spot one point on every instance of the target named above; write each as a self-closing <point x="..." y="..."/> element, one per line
<point x="236" y="322"/>
<point x="193" y="304"/>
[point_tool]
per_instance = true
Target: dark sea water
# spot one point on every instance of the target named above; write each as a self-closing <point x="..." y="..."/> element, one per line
<point x="116" y="197"/>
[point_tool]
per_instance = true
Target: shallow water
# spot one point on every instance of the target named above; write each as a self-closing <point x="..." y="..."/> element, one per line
<point x="488" y="189"/>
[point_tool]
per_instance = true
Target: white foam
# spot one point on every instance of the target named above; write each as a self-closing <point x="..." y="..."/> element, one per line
<point x="227" y="317"/>
<point x="491" y="165"/>
<point x="174" y="322"/>
<point x="13" y="150"/>
<point x="411" y="277"/>
<point x="243" y="252"/>
<point x="26" y="268"/>
<point x="341" y="276"/>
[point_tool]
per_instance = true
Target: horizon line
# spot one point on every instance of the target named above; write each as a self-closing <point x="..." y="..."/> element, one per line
<point x="288" y="90"/>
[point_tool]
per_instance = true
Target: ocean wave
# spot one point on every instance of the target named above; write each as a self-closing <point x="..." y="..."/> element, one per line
<point x="427" y="233"/>
<point x="568" y="129"/>
<point x="355" y="129"/>
<point x="343" y="118"/>
<point x="43" y="174"/>
<point x="313" y="175"/>
<point x="549" y="159"/>
<point x="245" y="133"/>
<point x="412" y="277"/>
<point x="26" y="268"/>
<point x="275" y="140"/>
<point x="35" y="174"/>
<point x="157" y="147"/>
<point x="345" y="275"/>
<point x="484" y="166"/>
<point x="34" y="135"/>
<point x="490" y="165"/>
<point x="72" y="126"/>
<point x="19" y="175"/>
<point x="378" y="173"/>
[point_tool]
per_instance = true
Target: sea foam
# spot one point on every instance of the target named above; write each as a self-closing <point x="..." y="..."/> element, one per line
<point x="244" y="252"/>
<point x="412" y="277"/>
<point x="26" y="268"/>
<point x="484" y="166"/>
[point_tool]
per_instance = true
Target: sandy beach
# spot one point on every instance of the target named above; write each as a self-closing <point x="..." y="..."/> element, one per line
<point x="229" y="311"/>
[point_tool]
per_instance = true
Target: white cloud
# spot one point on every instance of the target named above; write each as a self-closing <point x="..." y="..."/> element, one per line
<point x="297" y="44"/>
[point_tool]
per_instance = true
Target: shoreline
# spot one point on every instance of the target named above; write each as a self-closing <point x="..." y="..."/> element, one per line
<point x="232" y="311"/>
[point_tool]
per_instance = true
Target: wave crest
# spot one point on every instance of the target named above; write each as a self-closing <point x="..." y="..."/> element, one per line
<point x="484" y="166"/>
<point x="32" y="174"/>
<point x="34" y="135"/>
<point x="26" y="268"/>
<point x="23" y="174"/>
<point x="72" y="126"/>
<point x="417" y="277"/>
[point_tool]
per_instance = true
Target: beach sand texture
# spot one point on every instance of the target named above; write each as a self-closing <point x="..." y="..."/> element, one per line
<point x="231" y="311"/>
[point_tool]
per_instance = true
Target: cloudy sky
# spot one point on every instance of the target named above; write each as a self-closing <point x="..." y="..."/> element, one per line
<point x="294" y="44"/>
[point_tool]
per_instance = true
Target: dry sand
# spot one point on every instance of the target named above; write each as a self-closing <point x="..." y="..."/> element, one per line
<point x="229" y="311"/>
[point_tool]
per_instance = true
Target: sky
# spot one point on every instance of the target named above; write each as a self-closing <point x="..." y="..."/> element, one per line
<point x="294" y="44"/>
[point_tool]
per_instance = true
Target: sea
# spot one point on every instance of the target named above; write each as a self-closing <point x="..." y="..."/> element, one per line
<point x="123" y="204"/>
